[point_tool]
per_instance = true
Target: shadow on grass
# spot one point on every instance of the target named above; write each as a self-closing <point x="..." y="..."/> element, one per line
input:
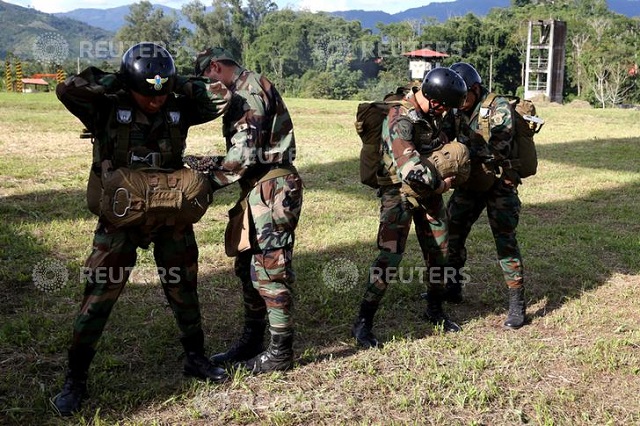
<point x="24" y="216"/>
<point x="568" y="247"/>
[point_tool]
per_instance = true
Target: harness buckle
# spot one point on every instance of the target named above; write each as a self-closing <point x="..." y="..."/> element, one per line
<point x="152" y="159"/>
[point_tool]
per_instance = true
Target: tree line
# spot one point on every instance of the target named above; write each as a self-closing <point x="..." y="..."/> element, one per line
<point x="319" y="55"/>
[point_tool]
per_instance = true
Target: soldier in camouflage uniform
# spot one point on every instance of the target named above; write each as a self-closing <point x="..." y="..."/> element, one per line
<point x="412" y="193"/>
<point x="260" y="153"/>
<point x="153" y="107"/>
<point x="492" y="185"/>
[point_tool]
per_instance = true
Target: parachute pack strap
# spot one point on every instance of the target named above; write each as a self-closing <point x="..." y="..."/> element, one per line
<point x="124" y="118"/>
<point x="175" y="135"/>
<point x="278" y="172"/>
<point x="483" y="119"/>
<point x="391" y="178"/>
<point x="400" y="93"/>
<point x="122" y="145"/>
<point x="177" y="145"/>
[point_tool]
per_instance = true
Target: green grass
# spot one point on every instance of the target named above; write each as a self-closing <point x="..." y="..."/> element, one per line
<point x="577" y="362"/>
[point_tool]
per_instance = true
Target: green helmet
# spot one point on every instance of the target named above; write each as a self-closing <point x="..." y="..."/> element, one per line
<point x="445" y="87"/>
<point x="148" y="69"/>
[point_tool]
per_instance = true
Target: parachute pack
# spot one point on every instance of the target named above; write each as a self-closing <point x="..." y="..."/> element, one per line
<point x="144" y="197"/>
<point x="447" y="160"/>
<point x="524" y="158"/>
<point x="369" y="118"/>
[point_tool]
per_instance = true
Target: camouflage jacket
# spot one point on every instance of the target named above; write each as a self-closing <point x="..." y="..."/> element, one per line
<point x="501" y="130"/>
<point x="258" y="131"/>
<point x="406" y="133"/>
<point x="103" y="105"/>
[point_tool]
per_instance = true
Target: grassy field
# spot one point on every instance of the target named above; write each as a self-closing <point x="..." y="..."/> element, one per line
<point x="577" y="362"/>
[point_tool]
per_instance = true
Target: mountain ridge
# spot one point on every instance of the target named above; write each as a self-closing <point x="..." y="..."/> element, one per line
<point x="112" y="19"/>
<point x="29" y="33"/>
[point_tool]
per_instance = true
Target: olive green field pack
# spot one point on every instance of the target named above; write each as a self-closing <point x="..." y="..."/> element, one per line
<point x="524" y="157"/>
<point x="154" y="197"/>
<point x="449" y="159"/>
<point x="369" y="118"/>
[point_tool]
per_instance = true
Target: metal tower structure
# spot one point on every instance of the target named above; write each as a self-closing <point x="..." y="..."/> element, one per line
<point x="544" y="69"/>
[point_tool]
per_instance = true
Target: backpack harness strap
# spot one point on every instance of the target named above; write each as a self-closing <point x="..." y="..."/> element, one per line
<point x="124" y="116"/>
<point x="388" y="175"/>
<point x="484" y="128"/>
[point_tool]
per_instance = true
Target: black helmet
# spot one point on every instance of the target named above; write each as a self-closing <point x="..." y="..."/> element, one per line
<point x="445" y="87"/>
<point x="468" y="73"/>
<point x="148" y="69"/>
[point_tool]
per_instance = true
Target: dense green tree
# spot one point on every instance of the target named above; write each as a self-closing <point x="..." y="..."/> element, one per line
<point x="145" y="23"/>
<point x="279" y="49"/>
<point x="222" y="26"/>
<point x="292" y="43"/>
<point x="320" y="55"/>
<point x="228" y="24"/>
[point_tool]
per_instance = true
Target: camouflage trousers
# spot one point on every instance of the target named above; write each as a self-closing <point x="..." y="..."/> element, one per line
<point x="266" y="270"/>
<point x="431" y="229"/>
<point x="108" y="268"/>
<point x="503" y="211"/>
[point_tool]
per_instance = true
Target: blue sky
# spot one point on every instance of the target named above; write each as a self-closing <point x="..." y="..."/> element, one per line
<point x="50" y="6"/>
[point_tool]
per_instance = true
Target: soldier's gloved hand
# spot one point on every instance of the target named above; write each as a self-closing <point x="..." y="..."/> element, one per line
<point x="445" y="185"/>
<point x="192" y="162"/>
<point x="183" y="86"/>
<point x="203" y="164"/>
<point x="111" y="83"/>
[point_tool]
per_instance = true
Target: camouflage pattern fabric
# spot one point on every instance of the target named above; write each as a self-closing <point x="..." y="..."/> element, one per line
<point x="257" y="128"/>
<point x="259" y="135"/>
<point x="405" y="133"/>
<point x="94" y="96"/>
<point x="275" y="207"/>
<point x="110" y="263"/>
<point x="503" y="210"/>
<point x="395" y="222"/>
<point x="501" y="131"/>
<point x="501" y="199"/>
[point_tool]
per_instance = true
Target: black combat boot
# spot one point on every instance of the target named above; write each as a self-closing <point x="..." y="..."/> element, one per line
<point x="453" y="288"/>
<point x="361" y="329"/>
<point x="196" y="364"/>
<point x="277" y="357"/>
<point x="250" y="344"/>
<point x="74" y="390"/>
<point x="517" y="308"/>
<point x="435" y="314"/>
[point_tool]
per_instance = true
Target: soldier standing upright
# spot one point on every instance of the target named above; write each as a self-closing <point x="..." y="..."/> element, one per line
<point x="139" y="118"/>
<point x="260" y="154"/>
<point x="408" y="130"/>
<point x="488" y="132"/>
